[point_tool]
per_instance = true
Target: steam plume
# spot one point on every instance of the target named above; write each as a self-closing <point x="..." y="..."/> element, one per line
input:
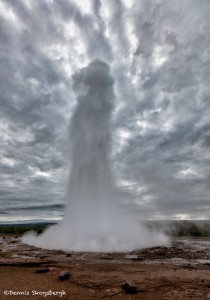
<point x="94" y="219"/>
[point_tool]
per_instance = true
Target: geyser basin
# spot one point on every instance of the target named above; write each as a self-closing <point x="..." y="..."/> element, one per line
<point x="94" y="219"/>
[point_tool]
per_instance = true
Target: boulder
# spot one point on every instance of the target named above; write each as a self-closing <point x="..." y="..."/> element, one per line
<point x="64" y="275"/>
<point x="129" y="287"/>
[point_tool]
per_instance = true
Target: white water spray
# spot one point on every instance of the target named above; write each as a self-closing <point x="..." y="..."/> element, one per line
<point x="94" y="220"/>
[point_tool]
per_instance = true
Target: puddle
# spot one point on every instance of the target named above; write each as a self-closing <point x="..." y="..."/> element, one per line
<point x="131" y="256"/>
<point x="22" y="256"/>
<point x="203" y="261"/>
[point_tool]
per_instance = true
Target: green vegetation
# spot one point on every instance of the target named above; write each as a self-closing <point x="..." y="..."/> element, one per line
<point x="190" y="228"/>
<point x="18" y="229"/>
<point x="178" y="228"/>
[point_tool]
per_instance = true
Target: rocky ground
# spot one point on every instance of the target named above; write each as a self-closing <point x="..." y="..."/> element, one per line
<point x="181" y="271"/>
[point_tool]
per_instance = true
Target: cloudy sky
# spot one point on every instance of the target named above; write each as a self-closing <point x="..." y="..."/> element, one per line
<point x="159" y="55"/>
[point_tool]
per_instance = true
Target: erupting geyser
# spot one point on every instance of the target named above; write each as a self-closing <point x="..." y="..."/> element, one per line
<point x="94" y="219"/>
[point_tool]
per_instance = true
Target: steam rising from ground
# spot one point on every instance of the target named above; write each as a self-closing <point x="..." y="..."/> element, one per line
<point x="94" y="219"/>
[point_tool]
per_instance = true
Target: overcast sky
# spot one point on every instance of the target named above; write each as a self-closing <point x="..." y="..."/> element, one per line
<point x="159" y="57"/>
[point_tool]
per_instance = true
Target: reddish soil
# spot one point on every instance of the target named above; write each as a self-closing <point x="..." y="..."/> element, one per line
<point x="178" y="272"/>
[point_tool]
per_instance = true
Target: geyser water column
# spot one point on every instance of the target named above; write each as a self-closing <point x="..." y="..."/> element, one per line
<point x="94" y="219"/>
<point x="91" y="206"/>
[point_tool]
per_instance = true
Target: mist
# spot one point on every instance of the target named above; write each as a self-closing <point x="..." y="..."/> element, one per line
<point x="95" y="219"/>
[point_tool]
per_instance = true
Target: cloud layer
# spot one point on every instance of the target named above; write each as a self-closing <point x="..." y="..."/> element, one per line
<point x="159" y="54"/>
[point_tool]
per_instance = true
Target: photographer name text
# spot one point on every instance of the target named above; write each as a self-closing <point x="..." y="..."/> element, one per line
<point x="35" y="293"/>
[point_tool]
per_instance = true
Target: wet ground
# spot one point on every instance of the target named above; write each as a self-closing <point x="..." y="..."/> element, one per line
<point x="181" y="271"/>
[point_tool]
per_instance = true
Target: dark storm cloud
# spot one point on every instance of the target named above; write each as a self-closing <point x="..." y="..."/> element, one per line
<point x="159" y="56"/>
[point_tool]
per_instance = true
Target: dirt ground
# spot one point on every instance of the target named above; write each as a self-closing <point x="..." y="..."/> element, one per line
<point x="181" y="271"/>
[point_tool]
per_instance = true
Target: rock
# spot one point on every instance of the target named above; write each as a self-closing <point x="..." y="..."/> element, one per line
<point x="42" y="270"/>
<point x="129" y="287"/>
<point x="64" y="275"/>
<point x="161" y="253"/>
